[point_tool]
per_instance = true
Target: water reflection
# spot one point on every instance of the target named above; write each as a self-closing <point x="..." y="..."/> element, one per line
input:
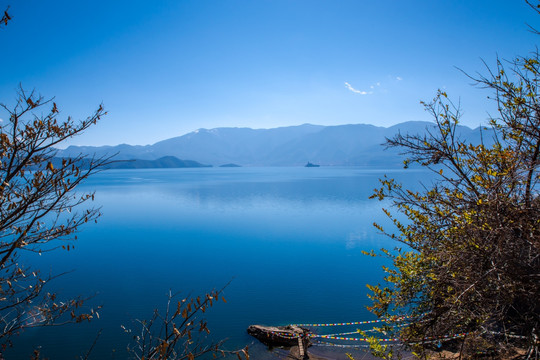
<point x="290" y="238"/>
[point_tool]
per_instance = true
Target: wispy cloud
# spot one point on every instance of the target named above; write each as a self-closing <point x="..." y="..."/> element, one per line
<point x="399" y="78"/>
<point x="361" y="92"/>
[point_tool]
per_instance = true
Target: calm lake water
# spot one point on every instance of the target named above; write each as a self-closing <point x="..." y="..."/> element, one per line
<point x="290" y="239"/>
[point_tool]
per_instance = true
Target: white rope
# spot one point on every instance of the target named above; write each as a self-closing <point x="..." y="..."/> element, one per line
<point x="507" y="335"/>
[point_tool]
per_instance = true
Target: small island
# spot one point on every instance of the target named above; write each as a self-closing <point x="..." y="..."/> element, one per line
<point x="311" y="165"/>
<point x="230" y="165"/>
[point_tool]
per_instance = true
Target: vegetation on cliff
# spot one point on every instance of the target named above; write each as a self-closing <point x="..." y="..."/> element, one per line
<point x="468" y="260"/>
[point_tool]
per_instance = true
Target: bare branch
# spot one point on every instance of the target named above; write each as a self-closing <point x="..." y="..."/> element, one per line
<point x="38" y="209"/>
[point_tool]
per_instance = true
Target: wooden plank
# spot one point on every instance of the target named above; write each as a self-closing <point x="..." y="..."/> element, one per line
<point x="301" y="347"/>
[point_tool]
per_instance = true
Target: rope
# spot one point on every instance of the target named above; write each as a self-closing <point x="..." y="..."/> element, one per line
<point x="345" y="333"/>
<point x="324" y="343"/>
<point x="338" y="336"/>
<point x="286" y="335"/>
<point x="356" y="331"/>
<point x="507" y="335"/>
<point x="426" y="340"/>
<point x="397" y="319"/>
<point x="352" y="339"/>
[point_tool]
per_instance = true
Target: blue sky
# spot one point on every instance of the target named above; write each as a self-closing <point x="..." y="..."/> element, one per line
<point x="165" y="68"/>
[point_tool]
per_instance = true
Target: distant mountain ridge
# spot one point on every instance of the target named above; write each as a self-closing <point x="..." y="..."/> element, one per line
<point x="166" y="162"/>
<point x="162" y="162"/>
<point x="352" y="144"/>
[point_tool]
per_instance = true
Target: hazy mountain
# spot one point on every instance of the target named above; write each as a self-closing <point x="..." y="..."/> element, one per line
<point x="354" y="144"/>
<point x="163" y="162"/>
<point x="168" y="162"/>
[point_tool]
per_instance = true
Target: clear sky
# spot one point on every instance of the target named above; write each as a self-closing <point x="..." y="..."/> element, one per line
<point x="164" y="68"/>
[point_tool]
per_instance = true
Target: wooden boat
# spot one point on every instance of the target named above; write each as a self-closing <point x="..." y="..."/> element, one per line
<point x="280" y="335"/>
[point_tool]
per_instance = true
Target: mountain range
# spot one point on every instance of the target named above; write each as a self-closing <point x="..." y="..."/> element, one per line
<point x="344" y="145"/>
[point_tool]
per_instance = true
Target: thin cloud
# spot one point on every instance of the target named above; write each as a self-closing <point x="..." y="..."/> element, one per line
<point x="399" y="78"/>
<point x="349" y="86"/>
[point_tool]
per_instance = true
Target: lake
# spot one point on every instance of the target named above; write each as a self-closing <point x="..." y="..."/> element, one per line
<point x="288" y="240"/>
